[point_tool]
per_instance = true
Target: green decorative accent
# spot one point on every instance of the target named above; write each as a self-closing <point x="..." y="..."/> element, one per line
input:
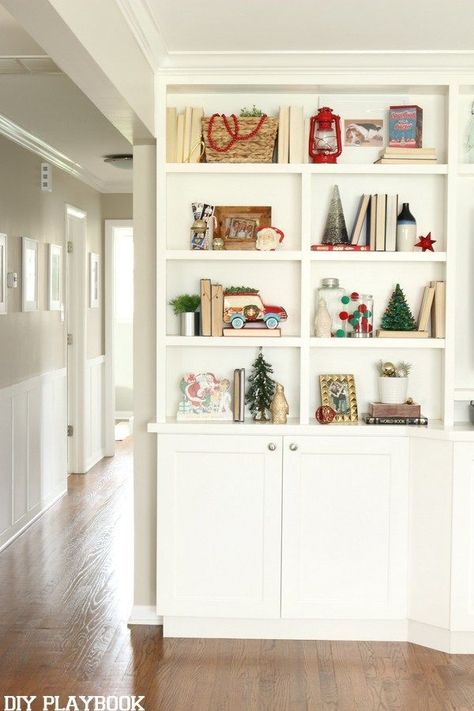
<point x="240" y="290"/>
<point x="354" y="322"/>
<point x="250" y="113"/>
<point x="345" y="299"/>
<point x="186" y="303"/>
<point x="335" y="230"/>
<point x="261" y="388"/>
<point x="357" y="314"/>
<point x="340" y="333"/>
<point x="398" y="316"/>
<point x="368" y="314"/>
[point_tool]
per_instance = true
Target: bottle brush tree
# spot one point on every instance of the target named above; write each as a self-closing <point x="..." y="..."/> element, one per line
<point x="398" y="316"/>
<point x="261" y="389"/>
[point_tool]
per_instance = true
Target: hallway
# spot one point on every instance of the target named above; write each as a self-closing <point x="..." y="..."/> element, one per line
<point x="63" y="630"/>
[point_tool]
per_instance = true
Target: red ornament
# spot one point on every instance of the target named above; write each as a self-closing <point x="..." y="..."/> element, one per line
<point x="362" y="308"/>
<point x="325" y="414"/>
<point x="325" y="144"/>
<point x="343" y="315"/>
<point x="426" y="243"/>
<point x="354" y="296"/>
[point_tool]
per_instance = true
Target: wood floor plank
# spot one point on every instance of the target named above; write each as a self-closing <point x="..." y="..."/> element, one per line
<point x="66" y="592"/>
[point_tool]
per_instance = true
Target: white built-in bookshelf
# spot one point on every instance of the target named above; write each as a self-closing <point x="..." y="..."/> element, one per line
<point x="440" y="196"/>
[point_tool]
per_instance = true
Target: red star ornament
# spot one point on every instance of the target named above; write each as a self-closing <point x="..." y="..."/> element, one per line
<point x="426" y="243"/>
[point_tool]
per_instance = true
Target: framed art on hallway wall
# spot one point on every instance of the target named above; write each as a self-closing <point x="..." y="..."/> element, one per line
<point x="55" y="277"/>
<point x="3" y="274"/>
<point x="94" y="280"/>
<point x="29" y="274"/>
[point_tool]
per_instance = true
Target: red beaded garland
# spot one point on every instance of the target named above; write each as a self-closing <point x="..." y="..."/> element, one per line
<point x="233" y="133"/>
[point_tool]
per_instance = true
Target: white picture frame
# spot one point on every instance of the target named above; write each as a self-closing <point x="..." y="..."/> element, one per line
<point x="29" y="274"/>
<point x="55" y="277"/>
<point x="3" y="273"/>
<point x="94" y="280"/>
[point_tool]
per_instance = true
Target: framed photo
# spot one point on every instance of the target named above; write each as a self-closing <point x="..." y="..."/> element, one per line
<point x="339" y="392"/>
<point x="3" y="274"/>
<point x="29" y="274"/>
<point x="238" y="226"/>
<point x="94" y="280"/>
<point x="55" y="277"/>
<point x="364" y="133"/>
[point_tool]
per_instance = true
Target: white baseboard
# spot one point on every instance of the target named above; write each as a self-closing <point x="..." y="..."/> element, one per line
<point x="144" y="615"/>
<point x="95" y="459"/>
<point x="440" y="638"/>
<point x="124" y="414"/>
<point x="34" y="515"/>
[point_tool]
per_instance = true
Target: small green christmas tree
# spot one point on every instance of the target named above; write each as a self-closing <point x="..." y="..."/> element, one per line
<point x="398" y="316"/>
<point x="261" y="389"/>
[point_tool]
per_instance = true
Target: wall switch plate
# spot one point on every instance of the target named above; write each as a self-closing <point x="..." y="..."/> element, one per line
<point x="46" y="178"/>
<point x="12" y="280"/>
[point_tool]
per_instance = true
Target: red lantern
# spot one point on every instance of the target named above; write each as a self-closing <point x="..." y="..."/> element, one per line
<point x="325" y="137"/>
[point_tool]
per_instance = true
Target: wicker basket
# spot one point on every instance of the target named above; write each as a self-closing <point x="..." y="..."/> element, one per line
<point x="257" y="149"/>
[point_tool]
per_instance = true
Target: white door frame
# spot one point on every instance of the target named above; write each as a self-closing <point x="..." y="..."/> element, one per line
<point x="109" y="287"/>
<point x="76" y="315"/>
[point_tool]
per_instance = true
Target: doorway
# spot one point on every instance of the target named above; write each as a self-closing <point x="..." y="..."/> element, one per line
<point x="118" y="331"/>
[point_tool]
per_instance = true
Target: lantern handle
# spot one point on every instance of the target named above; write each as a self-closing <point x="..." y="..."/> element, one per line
<point x="338" y="136"/>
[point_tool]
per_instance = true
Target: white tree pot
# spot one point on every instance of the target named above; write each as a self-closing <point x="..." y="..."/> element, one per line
<point x="393" y="391"/>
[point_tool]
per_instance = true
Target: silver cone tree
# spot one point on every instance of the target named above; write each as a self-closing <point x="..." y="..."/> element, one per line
<point x="335" y="230"/>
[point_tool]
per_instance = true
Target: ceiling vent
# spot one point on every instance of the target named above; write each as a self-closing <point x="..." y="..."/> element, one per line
<point x="120" y="160"/>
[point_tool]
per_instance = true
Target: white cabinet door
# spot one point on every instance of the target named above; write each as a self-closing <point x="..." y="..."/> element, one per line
<point x="462" y="585"/>
<point x="345" y="520"/>
<point x="219" y="526"/>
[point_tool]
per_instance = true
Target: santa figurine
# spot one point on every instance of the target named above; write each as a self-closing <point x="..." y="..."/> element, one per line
<point x="268" y="238"/>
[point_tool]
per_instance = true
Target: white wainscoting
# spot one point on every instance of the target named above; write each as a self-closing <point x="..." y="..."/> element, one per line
<point x="33" y="450"/>
<point x="94" y="426"/>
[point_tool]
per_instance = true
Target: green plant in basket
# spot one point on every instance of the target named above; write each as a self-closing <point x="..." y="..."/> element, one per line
<point x="250" y="113"/>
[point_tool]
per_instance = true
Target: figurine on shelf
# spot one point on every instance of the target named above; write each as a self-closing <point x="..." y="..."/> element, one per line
<point x="322" y="321"/>
<point x="204" y="397"/>
<point x="268" y="238"/>
<point x="279" y="406"/>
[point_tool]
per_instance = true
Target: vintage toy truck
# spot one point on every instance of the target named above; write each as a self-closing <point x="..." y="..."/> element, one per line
<point x="246" y="305"/>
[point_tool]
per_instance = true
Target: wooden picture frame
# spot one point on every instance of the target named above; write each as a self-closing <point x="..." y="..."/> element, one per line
<point x="29" y="274"/>
<point x="339" y="393"/>
<point x="3" y="273"/>
<point x="94" y="280"/>
<point x="55" y="277"/>
<point x="238" y="226"/>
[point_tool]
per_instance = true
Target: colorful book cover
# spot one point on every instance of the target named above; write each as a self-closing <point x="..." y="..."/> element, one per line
<point x="405" y="126"/>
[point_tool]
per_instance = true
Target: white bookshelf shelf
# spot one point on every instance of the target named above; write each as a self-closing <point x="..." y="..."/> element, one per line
<point x="233" y="342"/>
<point x="464" y="394"/>
<point x="467" y="170"/>
<point x="233" y="255"/>
<point x="344" y="256"/>
<point x="418" y="343"/>
<point x="309" y="168"/>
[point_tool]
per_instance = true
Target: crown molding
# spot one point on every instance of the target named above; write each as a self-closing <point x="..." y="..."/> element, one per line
<point x="25" y="139"/>
<point x="145" y="29"/>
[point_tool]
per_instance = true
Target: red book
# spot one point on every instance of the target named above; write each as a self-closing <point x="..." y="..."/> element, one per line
<point x="340" y="248"/>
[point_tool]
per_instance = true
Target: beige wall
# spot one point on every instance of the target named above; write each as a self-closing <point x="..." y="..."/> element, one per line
<point x="144" y="381"/>
<point x="117" y="206"/>
<point x="33" y="343"/>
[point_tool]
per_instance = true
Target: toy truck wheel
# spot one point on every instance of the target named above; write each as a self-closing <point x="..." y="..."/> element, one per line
<point x="271" y="322"/>
<point x="237" y="322"/>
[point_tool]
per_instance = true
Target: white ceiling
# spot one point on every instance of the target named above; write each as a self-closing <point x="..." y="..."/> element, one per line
<point x="39" y="98"/>
<point x="312" y="25"/>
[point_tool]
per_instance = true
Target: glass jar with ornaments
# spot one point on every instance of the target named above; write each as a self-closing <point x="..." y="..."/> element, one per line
<point x="328" y="307"/>
<point x="361" y="315"/>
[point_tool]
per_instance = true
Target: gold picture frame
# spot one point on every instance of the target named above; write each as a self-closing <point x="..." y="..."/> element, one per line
<point x="339" y="393"/>
<point x="238" y="226"/>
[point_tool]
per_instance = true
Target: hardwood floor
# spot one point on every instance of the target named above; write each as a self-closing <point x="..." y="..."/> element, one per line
<point x="65" y="594"/>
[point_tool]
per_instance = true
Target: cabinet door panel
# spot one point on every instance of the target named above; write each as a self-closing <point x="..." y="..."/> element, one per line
<point x="462" y="598"/>
<point x="219" y="526"/>
<point x="344" y="527"/>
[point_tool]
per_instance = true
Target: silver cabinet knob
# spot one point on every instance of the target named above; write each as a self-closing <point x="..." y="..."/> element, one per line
<point x="293" y="447"/>
<point x="272" y="446"/>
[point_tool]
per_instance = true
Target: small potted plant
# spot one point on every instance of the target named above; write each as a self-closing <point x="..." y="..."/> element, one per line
<point x="186" y="307"/>
<point x="393" y="382"/>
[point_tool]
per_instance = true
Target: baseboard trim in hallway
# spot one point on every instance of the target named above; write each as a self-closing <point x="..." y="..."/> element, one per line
<point x="42" y="509"/>
<point x="144" y="615"/>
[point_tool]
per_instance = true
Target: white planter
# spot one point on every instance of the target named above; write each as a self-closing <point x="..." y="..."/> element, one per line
<point x="393" y="391"/>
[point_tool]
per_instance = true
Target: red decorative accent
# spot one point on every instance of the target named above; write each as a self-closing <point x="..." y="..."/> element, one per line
<point x="362" y="308"/>
<point x="325" y="121"/>
<point x="354" y="296"/>
<point x="233" y="133"/>
<point x="426" y="243"/>
<point x="325" y="414"/>
<point x="343" y="315"/>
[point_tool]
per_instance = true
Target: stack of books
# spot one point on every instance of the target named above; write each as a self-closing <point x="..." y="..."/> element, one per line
<point x="293" y="135"/>
<point x="212" y="308"/>
<point x="433" y="305"/>
<point x="403" y="414"/>
<point x="183" y="135"/>
<point x="238" y="406"/>
<point x="407" y="156"/>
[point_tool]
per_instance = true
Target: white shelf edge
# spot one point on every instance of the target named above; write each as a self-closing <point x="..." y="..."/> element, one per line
<point x="348" y="256"/>
<point x="232" y="255"/>
<point x="419" y="343"/>
<point x="464" y="394"/>
<point x="300" y="168"/>
<point x="234" y="342"/>
<point x="467" y="170"/>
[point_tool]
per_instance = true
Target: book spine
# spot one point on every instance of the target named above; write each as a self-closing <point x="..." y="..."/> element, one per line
<point x="370" y="420"/>
<point x="242" y="395"/>
<point x="217" y="309"/>
<point x="205" y="307"/>
<point x="236" y="400"/>
<point x="340" y="248"/>
<point x="171" y="134"/>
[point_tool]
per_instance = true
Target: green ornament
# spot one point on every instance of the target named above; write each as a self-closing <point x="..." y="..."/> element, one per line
<point x="345" y="299"/>
<point x="357" y="314"/>
<point x="354" y="322"/>
<point x="368" y="314"/>
<point x="340" y="333"/>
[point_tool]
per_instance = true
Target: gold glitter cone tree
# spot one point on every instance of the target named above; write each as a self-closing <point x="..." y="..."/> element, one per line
<point x="335" y="230"/>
